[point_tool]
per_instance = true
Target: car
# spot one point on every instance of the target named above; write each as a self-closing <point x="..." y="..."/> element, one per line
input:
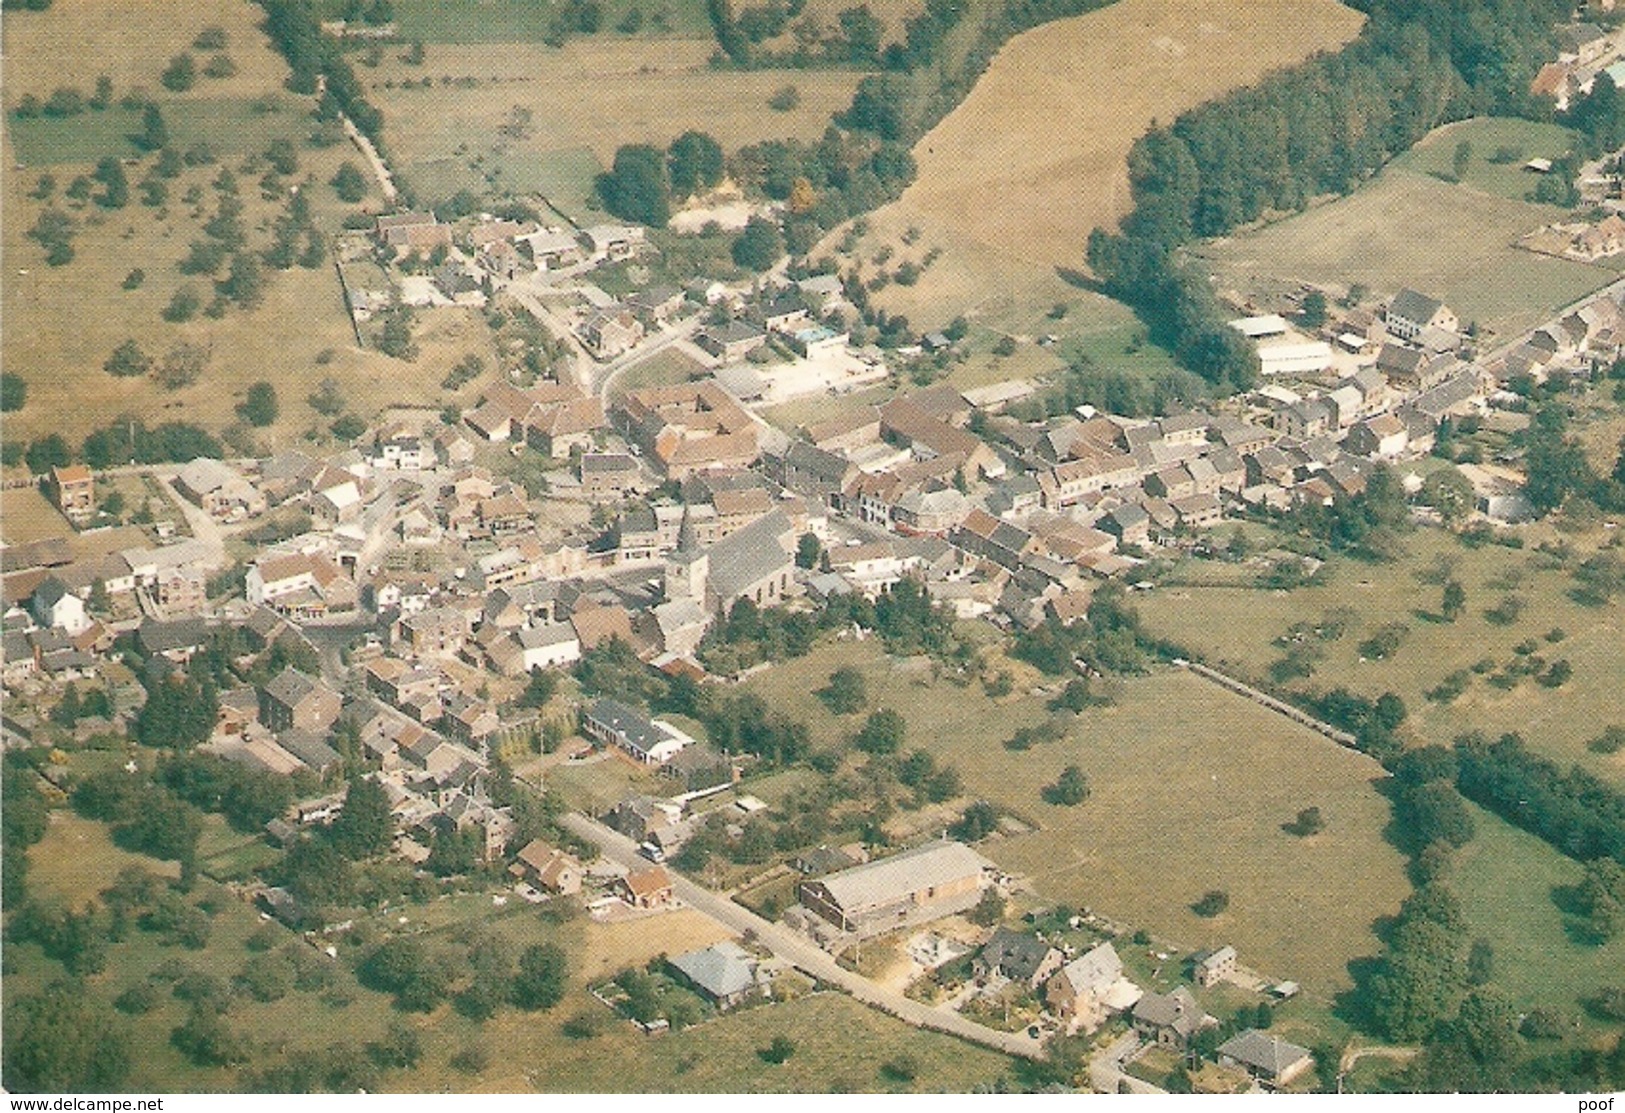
<point x="652" y="852"/>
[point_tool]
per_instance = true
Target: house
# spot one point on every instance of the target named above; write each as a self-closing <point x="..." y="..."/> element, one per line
<point x="174" y="641"/>
<point x="1380" y="438"/>
<point x="904" y="422"/>
<point x="1581" y="43"/>
<point x="1213" y="967"/>
<point x="725" y="973"/>
<point x="294" y="701"/>
<point x="536" y="647"/>
<point x="609" y="333"/>
<point x="1090" y="989"/>
<point x="1170" y="1019"/>
<point x="73" y="490"/>
<point x="548" y="868"/>
<point x="435" y="632"/>
<point x="413" y="231"/>
<point x="1267" y="1058"/>
<point x="1198" y="511"/>
<point x="656" y="305"/>
<point x="1129" y="523"/>
<point x="553" y="248"/>
<point x="1017" y="957"/>
<point x="913" y="887"/>
<point x="648" y="740"/>
<point x="650" y="888"/>
<point x="812" y="471"/>
<point x="847" y="432"/>
<point x="57" y="608"/>
<point x="608" y="475"/>
<point x="1606" y="237"/>
<point x="1410" y="312"/>
<point x="732" y="341"/>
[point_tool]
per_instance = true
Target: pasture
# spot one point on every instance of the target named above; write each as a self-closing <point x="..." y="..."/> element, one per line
<point x="1189" y="788"/>
<point x="1499" y="148"/>
<point x="1468" y="256"/>
<point x="1505" y="878"/>
<point x="596" y="94"/>
<point x="1012" y="181"/>
<point x="1235" y="626"/>
<point x="64" y="321"/>
<point x="464" y="22"/>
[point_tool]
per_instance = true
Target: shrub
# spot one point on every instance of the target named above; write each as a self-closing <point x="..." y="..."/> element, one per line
<point x="1213" y="902"/>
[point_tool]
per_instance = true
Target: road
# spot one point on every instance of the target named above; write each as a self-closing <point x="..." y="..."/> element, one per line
<point x="606" y="375"/>
<point x="805" y="955"/>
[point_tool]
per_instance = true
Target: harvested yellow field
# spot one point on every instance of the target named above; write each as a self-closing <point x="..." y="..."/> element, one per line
<point x="1014" y="179"/>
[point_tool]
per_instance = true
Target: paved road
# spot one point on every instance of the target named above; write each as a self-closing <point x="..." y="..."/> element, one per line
<point x="606" y="374"/>
<point x="807" y="956"/>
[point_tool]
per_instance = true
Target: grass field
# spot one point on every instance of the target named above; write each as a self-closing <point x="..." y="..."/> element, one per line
<point x="62" y="322"/>
<point x="524" y="21"/>
<point x="1013" y="180"/>
<point x="1189" y="788"/>
<point x="596" y="93"/>
<point x="1467" y="255"/>
<point x="1505" y="878"/>
<point x="1488" y="136"/>
<point x="1237" y="625"/>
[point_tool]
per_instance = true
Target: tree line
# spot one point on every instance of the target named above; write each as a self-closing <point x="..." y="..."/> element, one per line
<point x="1317" y="128"/>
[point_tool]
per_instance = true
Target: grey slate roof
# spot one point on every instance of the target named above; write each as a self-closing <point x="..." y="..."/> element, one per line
<point x="1177" y="1010"/>
<point x="1016" y="956"/>
<point x="1269" y="1054"/>
<point x="1413" y="306"/>
<point x="721" y="970"/>
<point x="750" y="554"/>
<point x="290" y="686"/>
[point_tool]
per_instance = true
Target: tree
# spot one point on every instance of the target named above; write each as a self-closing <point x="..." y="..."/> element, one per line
<point x="50" y="451"/>
<point x="694" y="163"/>
<point x="542" y="975"/>
<point x="989" y="909"/>
<point x="13" y="391"/>
<point x="1454" y="600"/>
<point x="128" y="361"/>
<point x="760" y="245"/>
<point x="349" y="183"/>
<point x="882" y="732"/>
<point x="180" y="75"/>
<point x="154" y="134"/>
<point x="64" y="1039"/>
<point x="115" y="185"/>
<point x="778" y="1050"/>
<point x="1308" y="822"/>
<point x="1461" y="159"/>
<point x="1435" y="812"/>
<point x="636" y="188"/>
<point x="205" y="1039"/>
<point x="1070" y="788"/>
<point x="259" y="406"/>
<point x="245" y="284"/>
<point x="1213" y="902"/>
<point x="1313" y="311"/>
<point x="808" y="551"/>
<point x="978" y="821"/>
<point x="847" y="691"/>
<point x="365" y="827"/>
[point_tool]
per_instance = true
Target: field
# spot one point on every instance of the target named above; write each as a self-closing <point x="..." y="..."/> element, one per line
<point x="594" y="94"/>
<point x="64" y="321"/>
<point x="1189" y="788"/>
<point x="1505" y="878"/>
<point x="1237" y="625"/>
<point x="838" y="1043"/>
<point x="1014" y="179"/>
<point x="514" y="21"/>
<point x="1467" y="255"/>
<point x="1500" y="146"/>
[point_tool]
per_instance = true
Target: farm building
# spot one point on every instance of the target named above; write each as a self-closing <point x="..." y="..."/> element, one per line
<point x="914" y="887"/>
<point x="1256" y="328"/>
<point x="1213" y="967"/>
<point x="1305" y="358"/>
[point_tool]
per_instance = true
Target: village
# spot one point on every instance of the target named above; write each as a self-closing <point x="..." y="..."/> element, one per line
<point x="428" y="589"/>
<point x="524" y="640"/>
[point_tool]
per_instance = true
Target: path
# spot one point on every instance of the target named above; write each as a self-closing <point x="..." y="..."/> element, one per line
<point x="386" y="180"/>
<point x="1106" y="1074"/>
<point x="1264" y="699"/>
<point x="805" y="955"/>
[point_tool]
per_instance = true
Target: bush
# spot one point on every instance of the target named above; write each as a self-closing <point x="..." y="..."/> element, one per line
<point x="180" y="75"/>
<point x="13" y="392"/>
<point x="778" y="1050"/>
<point x="1213" y="902"/>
